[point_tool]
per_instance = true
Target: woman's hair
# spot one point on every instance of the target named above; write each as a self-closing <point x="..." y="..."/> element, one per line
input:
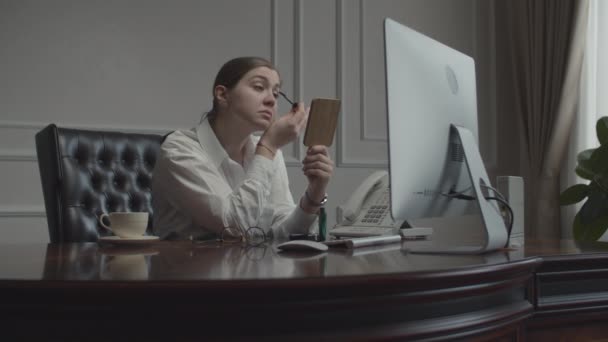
<point x="231" y="73"/>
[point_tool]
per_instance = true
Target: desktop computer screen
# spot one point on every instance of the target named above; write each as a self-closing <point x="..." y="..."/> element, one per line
<point x="437" y="178"/>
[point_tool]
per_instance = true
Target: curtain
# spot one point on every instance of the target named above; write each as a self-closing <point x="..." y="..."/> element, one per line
<point x="592" y="105"/>
<point x="545" y="43"/>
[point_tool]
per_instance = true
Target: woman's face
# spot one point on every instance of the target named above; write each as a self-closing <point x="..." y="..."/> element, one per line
<point x="254" y="98"/>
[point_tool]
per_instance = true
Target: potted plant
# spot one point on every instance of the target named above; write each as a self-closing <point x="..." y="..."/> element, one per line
<point x="591" y="221"/>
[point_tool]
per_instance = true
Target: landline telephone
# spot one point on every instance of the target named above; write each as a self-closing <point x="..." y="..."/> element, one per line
<point x="367" y="211"/>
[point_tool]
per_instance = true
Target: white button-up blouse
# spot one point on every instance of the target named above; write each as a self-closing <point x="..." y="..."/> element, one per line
<point x="198" y="190"/>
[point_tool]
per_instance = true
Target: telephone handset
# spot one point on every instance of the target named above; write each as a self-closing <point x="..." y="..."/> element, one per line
<point x="367" y="211"/>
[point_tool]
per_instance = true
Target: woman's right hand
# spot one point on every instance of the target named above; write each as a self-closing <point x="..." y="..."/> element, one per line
<point x="285" y="129"/>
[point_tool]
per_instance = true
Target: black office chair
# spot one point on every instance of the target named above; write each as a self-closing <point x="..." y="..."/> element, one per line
<point x="87" y="173"/>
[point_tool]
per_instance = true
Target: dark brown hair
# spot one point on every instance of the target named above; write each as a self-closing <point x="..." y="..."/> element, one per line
<point x="231" y="73"/>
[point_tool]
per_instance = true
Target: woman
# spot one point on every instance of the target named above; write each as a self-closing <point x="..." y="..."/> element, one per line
<point x="219" y="175"/>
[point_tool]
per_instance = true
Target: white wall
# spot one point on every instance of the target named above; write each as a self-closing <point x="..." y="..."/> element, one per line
<point x="148" y="65"/>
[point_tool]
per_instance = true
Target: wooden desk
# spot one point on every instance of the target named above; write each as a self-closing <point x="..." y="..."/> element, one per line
<point x="571" y="292"/>
<point x="179" y="290"/>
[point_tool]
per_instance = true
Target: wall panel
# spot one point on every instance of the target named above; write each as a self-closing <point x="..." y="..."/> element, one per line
<point x="148" y="65"/>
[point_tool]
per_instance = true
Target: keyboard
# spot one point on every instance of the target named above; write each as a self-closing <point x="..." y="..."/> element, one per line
<point x="364" y="241"/>
<point x="361" y="231"/>
<point x="434" y="249"/>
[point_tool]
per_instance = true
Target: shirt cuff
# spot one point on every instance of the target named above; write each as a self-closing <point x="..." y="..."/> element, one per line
<point x="304" y="220"/>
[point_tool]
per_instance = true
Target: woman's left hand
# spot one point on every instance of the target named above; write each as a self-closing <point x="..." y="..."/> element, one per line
<point x="318" y="168"/>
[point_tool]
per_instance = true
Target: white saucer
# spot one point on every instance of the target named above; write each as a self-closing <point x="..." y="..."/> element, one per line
<point x="130" y="241"/>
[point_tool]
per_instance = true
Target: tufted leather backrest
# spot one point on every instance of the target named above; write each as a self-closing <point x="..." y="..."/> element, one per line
<point x="87" y="173"/>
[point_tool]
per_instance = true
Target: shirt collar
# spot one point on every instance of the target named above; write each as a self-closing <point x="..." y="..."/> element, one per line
<point x="211" y="145"/>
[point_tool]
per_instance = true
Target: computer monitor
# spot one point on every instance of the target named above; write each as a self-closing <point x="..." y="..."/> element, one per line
<point x="437" y="177"/>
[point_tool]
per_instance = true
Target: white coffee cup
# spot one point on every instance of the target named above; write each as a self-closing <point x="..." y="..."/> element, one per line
<point x="126" y="225"/>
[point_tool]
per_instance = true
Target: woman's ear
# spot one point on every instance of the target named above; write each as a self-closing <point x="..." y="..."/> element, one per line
<point x="220" y="93"/>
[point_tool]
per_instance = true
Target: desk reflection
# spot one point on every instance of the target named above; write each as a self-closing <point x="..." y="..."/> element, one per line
<point x="394" y="258"/>
<point x="174" y="261"/>
<point x="230" y="261"/>
<point x="190" y="261"/>
<point x="120" y="263"/>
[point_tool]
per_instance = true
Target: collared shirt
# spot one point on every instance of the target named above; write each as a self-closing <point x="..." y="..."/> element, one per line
<point x="197" y="190"/>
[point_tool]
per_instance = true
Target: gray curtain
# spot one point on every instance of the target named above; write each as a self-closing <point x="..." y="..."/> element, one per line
<point x="544" y="44"/>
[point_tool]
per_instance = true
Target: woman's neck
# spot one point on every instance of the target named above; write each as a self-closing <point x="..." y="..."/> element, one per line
<point x="231" y="135"/>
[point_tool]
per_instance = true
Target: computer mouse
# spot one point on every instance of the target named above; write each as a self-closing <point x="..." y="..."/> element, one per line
<point x="302" y="245"/>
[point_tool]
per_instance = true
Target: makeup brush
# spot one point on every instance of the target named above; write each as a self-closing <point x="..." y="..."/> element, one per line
<point x="293" y="104"/>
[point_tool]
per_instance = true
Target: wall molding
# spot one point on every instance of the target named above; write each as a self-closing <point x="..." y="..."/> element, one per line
<point x="18" y="155"/>
<point x="340" y="80"/>
<point x="341" y="160"/>
<point x="493" y="162"/>
<point x="23" y="211"/>
<point x="38" y="125"/>
<point x="29" y="155"/>
<point x="273" y="32"/>
<point x="298" y="39"/>
<point x="290" y="161"/>
<point x="295" y="43"/>
<point x="365" y="135"/>
<point x="485" y="22"/>
<point x="489" y="74"/>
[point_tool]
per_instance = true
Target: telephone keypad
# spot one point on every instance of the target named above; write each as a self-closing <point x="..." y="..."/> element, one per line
<point x="372" y="218"/>
<point x="375" y="214"/>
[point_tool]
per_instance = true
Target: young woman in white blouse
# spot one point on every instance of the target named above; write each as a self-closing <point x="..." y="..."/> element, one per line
<point x="220" y="176"/>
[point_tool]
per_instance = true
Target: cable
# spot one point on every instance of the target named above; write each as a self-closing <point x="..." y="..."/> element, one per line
<point x="511" y="216"/>
<point x="458" y="194"/>
<point x="500" y="199"/>
<point x="505" y="203"/>
<point x="495" y="191"/>
<point x="461" y="195"/>
<point x="452" y="191"/>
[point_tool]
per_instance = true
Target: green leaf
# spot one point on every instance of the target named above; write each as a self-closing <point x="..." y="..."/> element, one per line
<point x="584" y="173"/>
<point x="594" y="208"/>
<point x="596" y="229"/>
<point x="599" y="160"/>
<point x="601" y="182"/>
<point x="584" y="155"/>
<point x="601" y="128"/>
<point x="589" y="232"/>
<point x="573" y="194"/>
<point x="583" y="160"/>
<point x="578" y="229"/>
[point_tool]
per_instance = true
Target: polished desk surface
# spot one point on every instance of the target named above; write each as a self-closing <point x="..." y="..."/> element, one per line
<point x="166" y="261"/>
<point x="184" y="260"/>
<point x="367" y="293"/>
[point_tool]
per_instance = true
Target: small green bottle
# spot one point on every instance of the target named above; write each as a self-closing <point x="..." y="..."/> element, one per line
<point x="322" y="224"/>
